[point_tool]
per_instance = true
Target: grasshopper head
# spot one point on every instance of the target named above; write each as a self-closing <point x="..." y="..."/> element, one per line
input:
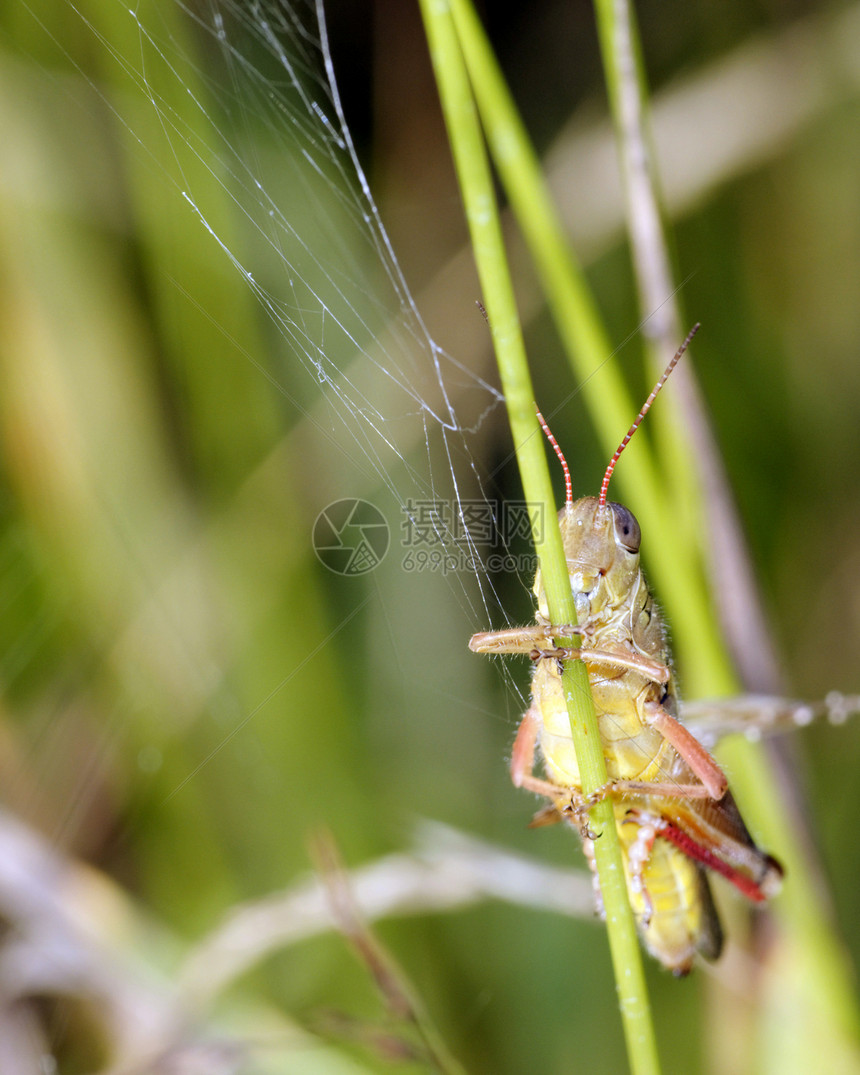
<point x="601" y="539"/>
<point x="601" y="545"/>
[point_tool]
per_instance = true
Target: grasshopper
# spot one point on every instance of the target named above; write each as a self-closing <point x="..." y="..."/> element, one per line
<point x="675" y="816"/>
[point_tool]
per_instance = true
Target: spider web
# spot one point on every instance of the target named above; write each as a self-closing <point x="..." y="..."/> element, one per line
<point x="231" y="113"/>
<point x="236" y="104"/>
<point x="394" y="403"/>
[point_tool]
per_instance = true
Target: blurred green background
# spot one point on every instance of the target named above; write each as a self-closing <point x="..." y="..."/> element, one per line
<point x="187" y="693"/>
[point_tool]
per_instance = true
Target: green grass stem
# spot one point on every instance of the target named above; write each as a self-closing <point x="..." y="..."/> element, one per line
<point x="476" y="186"/>
<point x="674" y="568"/>
<point x="825" y="988"/>
<point x="659" y="493"/>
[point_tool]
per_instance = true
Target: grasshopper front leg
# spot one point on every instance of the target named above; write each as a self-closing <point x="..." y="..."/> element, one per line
<point x="691" y="750"/>
<point x="714" y="783"/>
<point x="565" y="801"/>
<point x="527" y="640"/>
<point x="538" y="641"/>
<point x="522" y="639"/>
<point x="713" y="780"/>
<point x="523" y="758"/>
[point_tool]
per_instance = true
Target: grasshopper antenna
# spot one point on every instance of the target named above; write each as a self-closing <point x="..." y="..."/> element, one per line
<point x="642" y="413"/>
<point x="568" y="487"/>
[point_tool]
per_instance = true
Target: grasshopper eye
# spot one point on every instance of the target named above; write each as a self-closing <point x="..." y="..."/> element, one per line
<point x="626" y="528"/>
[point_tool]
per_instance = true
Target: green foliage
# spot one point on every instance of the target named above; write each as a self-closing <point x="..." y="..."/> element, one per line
<point x="189" y="693"/>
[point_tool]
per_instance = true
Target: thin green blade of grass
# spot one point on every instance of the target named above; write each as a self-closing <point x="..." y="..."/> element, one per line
<point x="826" y="985"/>
<point x="485" y="229"/>
<point x="677" y="573"/>
<point x="697" y="633"/>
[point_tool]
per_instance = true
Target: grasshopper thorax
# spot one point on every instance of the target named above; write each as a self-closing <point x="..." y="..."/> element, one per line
<point x="601" y="547"/>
